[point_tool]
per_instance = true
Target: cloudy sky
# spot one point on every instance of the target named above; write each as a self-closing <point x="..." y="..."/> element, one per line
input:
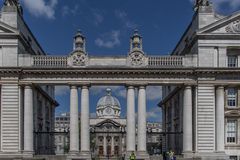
<point x="108" y="24"/>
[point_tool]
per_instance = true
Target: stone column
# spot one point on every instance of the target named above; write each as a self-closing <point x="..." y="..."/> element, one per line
<point x="112" y="145"/>
<point x="142" y="121"/>
<point x="85" y="134"/>
<point x="220" y="119"/>
<point x="187" y="120"/>
<point x="28" y="120"/>
<point x="104" y="145"/>
<point x="131" y="126"/>
<point x="74" y="129"/>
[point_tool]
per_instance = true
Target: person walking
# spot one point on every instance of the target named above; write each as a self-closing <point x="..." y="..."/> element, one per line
<point x="132" y="156"/>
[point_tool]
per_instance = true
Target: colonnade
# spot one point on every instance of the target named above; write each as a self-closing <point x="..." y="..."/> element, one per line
<point x="131" y="125"/>
<point x="85" y="133"/>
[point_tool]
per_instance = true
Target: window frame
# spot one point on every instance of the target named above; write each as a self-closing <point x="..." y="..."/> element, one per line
<point x="232" y="61"/>
<point x="232" y="156"/>
<point x="232" y="98"/>
<point x="231" y="131"/>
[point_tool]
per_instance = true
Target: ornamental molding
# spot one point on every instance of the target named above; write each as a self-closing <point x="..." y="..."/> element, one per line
<point x="233" y="27"/>
<point x="137" y="59"/>
<point x="78" y="59"/>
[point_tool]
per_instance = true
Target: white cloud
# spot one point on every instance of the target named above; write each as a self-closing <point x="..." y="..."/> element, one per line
<point x="154" y="113"/>
<point x="97" y="17"/>
<point x="122" y="15"/>
<point x="66" y="10"/>
<point x="218" y="4"/>
<point x="109" y="40"/>
<point x="232" y="3"/>
<point x="41" y="7"/>
<point x="61" y="90"/>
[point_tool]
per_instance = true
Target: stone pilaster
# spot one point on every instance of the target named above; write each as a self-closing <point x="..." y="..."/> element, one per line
<point x="220" y="119"/>
<point x="112" y="148"/>
<point x="104" y="145"/>
<point x="187" y="122"/>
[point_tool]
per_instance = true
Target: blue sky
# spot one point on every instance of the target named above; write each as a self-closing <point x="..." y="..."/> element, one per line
<point x="107" y="25"/>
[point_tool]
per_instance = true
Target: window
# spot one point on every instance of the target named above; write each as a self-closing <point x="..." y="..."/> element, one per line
<point x="231" y="131"/>
<point x="233" y="157"/>
<point x="231" y="97"/>
<point x="232" y="61"/>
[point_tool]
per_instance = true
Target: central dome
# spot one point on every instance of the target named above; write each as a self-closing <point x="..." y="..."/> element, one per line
<point x="108" y="106"/>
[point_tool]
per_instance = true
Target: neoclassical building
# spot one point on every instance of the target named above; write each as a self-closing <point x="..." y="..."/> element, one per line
<point x="205" y="118"/>
<point x="108" y="131"/>
<point x="18" y="99"/>
<point x="200" y="79"/>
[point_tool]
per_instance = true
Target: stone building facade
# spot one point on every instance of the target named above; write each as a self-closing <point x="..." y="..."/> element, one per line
<point x="17" y="41"/>
<point x="212" y="116"/>
<point x="202" y="69"/>
<point x="108" y="131"/>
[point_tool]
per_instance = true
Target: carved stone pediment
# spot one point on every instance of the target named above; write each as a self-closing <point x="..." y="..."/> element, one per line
<point x="6" y="29"/>
<point x="223" y="25"/>
<point x="78" y="59"/>
<point x="233" y="27"/>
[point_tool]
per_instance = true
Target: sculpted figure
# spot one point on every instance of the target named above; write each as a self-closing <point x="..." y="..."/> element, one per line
<point x="11" y="2"/>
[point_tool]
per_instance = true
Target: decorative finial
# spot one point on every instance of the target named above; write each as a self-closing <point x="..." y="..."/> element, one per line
<point x="109" y="91"/>
<point x="136" y="32"/>
<point x="136" y="41"/>
<point x="79" y="41"/>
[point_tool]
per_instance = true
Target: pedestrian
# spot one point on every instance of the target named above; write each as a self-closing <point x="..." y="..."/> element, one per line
<point x="132" y="156"/>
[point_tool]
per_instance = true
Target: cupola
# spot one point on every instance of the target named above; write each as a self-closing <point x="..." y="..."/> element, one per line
<point x="108" y="106"/>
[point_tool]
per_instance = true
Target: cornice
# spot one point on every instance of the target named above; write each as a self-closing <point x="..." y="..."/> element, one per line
<point x="22" y="72"/>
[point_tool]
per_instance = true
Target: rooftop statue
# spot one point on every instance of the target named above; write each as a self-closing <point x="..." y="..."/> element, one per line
<point x="199" y="3"/>
<point x="11" y="2"/>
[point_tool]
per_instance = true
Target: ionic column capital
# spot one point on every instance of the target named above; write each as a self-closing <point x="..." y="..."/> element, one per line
<point x="188" y="86"/>
<point x="28" y="86"/>
<point x="85" y="85"/>
<point x="142" y="86"/>
<point x="72" y="86"/>
<point x="220" y="87"/>
<point x="129" y="86"/>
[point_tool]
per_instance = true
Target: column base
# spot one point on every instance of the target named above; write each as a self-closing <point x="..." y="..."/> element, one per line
<point x="79" y="155"/>
<point x="188" y="154"/>
<point x="28" y="154"/>
<point x="17" y="155"/>
<point x="142" y="155"/>
<point x="128" y="153"/>
<point x="212" y="156"/>
<point x="86" y="155"/>
<point x="73" y="153"/>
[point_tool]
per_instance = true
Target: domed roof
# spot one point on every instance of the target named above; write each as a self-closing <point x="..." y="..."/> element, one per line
<point x="108" y="100"/>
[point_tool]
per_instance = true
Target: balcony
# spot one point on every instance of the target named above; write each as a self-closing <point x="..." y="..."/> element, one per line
<point x="150" y="62"/>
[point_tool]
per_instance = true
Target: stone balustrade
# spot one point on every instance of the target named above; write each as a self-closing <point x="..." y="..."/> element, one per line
<point x="172" y="61"/>
<point x="50" y="61"/>
<point x="64" y="61"/>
